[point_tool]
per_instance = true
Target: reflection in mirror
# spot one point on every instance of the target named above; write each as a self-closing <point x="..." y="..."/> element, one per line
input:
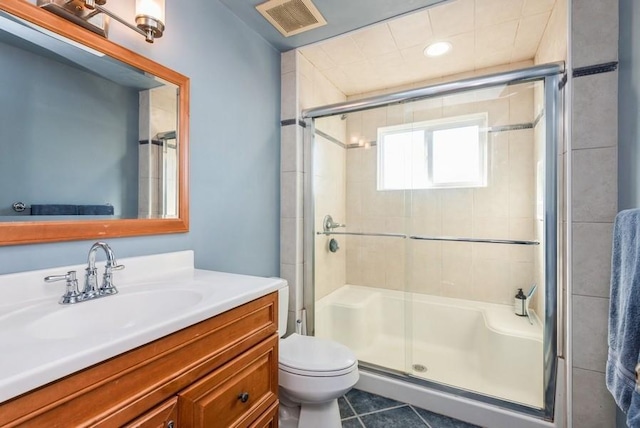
<point x="93" y="137"/>
<point x="99" y="136"/>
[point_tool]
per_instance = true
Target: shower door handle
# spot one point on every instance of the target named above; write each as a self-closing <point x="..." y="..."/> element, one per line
<point x="328" y="224"/>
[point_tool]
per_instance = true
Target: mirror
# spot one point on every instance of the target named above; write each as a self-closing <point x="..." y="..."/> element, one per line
<point x="93" y="137"/>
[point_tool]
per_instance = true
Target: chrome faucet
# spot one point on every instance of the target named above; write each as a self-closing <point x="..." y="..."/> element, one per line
<point x="91" y="289"/>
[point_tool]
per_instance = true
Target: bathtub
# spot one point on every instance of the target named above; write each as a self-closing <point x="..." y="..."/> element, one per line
<point x="474" y="346"/>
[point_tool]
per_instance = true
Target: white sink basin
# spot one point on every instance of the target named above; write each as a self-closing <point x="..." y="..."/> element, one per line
<point x="44" y="341"/>
<point x="112" y="314"/>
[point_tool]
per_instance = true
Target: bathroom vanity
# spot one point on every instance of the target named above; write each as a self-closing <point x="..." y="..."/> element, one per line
<point x="210" y="362"/>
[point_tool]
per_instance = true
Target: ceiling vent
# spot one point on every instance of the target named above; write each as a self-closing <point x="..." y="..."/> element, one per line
<point x="291" y="16"/>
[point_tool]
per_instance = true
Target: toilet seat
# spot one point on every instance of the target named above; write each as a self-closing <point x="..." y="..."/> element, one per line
<point x="315" y="357"/>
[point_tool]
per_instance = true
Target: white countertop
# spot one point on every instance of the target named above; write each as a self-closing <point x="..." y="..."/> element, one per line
<point x="43" y="341"/>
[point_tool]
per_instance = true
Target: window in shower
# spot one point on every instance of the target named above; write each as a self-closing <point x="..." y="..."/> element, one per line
<point x="444" y="153"/>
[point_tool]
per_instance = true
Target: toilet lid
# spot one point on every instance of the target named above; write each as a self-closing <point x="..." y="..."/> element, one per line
<point x="312" y="354"/>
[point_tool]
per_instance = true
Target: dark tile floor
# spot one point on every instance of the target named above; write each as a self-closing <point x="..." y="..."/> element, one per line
<point x="359" y="409"/>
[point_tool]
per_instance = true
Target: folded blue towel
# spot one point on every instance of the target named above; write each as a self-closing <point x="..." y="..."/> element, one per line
<point x="95" y="209"/>
<point x="624" y="315"/>
<point x="63" y="209"/>
<point x="54" y="209"/>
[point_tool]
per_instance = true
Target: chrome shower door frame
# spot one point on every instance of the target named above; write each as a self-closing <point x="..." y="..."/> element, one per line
<point x="551" y="75"/>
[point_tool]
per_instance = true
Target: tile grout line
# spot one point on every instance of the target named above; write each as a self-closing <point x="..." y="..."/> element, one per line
<point x="383" y="410"/>
<point x="354" y="411"/>
<point x="421" y="418"/>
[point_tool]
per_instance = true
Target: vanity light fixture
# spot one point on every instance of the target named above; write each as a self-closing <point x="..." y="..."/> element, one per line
<point x="437" y="49"/>
<point x="86" y="13"/>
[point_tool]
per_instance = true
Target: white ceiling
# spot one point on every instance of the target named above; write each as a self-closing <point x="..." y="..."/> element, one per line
<point x="484" y="33"/>
<point x="342" y="16"/>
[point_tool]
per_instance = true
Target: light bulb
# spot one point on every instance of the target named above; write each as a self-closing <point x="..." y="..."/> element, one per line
<point x="437" y="49"/>
<point x="151" y="8"/>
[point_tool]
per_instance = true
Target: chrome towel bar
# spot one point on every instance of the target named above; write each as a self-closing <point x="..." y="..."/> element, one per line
<point x="435" y="238"/>
<point x="474" y="240"/>
<point x="389" y="235"/>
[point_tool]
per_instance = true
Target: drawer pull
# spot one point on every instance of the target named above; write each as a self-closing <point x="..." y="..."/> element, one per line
<point x="171" y="424"/>
<point x="244" y="397"/>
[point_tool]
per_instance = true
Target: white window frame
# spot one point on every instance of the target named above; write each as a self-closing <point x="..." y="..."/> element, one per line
<point x="478" y="119"/>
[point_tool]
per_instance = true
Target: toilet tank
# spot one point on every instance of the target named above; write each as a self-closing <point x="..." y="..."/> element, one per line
<point x="283" y="310"/>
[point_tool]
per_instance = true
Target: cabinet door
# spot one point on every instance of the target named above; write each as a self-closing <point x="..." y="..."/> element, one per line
<point x="236" y="394"/>
<point x="163" y="416"/>
<point x="268" y="419"/>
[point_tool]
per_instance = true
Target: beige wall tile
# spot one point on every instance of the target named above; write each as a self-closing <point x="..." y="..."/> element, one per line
<point x="595" y="124"/>
<point x="592" y="259"/>
<point x="495" y="273"/>
<point x="290" y="246"/>
<point x="291" y="195"/>
<point x="593" y="406"/>
<point x="457" y="209"/>
<point x="289" y="96"/>
<point x="291" y="152"/>
<point x="594" y="43"/>
<point x="288" y="61"/>
<point x="595" y="185"/>
<point x="589" y="320"/>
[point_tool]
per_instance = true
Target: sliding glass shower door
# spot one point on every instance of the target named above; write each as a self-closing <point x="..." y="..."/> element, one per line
<point x="437" y="262"/>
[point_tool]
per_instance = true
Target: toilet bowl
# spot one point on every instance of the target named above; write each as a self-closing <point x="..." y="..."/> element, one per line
<point x="313" y="374"/>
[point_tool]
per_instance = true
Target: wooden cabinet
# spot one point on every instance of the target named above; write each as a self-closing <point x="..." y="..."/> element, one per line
<point x="163" y="416"/>
<point x="235" y="394"/>
<point x="222" y="372"/>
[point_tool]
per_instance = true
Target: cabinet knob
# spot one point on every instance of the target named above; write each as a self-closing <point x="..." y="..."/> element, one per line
<point x="244" y="397"/>
<point x="171" y="424"/>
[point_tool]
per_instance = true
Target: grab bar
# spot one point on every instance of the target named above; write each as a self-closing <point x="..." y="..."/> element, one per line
<point x="388" y="235"/>
<point x="474" y="240"/>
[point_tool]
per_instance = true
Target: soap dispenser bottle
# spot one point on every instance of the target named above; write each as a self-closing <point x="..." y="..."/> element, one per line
<point x="520" y="303"/>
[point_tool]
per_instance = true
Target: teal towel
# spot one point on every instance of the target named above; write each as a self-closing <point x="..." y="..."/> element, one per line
<point x="624" y="314"/>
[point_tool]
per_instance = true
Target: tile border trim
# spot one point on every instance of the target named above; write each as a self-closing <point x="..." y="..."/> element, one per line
<point x="289" y="122"/>
<point x="589" y="70"/>
<point x="330" y="138"/>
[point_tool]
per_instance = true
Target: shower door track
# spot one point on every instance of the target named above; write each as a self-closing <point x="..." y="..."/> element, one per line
<point x="402" y="376"/>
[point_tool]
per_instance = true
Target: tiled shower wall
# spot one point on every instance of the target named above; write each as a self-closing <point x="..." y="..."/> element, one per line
<point x="305" y="87"/>
<point x="505" y="209"/>
<point x="329" y="174"/>
<point x="594" y="157"/>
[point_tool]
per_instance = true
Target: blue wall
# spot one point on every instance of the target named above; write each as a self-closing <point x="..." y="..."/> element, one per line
<point x="40" y="158"/>
<point x="628" y="106"/>
<point x="235" y="145"/>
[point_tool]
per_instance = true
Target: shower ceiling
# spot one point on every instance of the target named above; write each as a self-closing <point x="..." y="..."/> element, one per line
<point x="484" y="33"/>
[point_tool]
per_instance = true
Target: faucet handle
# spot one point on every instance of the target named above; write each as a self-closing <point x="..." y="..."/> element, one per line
<point x="107" y="287"/>
<point x="114" y="267"/>
<point x="71" y="295"/>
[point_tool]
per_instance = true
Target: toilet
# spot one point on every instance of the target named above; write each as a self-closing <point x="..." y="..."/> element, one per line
<point x="313" y="373"/>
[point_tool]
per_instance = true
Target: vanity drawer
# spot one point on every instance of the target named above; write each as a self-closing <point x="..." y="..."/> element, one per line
<point x="119" y="390"/>
<point x="268" y="419"/>
<point x="163" y="416"/>
<point x="235" y="394"/>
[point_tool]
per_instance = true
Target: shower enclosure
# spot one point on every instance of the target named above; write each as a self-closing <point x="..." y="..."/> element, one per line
<point x="443" y="203"/>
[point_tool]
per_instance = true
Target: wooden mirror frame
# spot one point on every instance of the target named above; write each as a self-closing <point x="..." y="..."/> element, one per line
<point x="30" y="232"/>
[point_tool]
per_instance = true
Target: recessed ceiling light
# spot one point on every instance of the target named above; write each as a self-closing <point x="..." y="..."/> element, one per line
<point x="437" y="49"/>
